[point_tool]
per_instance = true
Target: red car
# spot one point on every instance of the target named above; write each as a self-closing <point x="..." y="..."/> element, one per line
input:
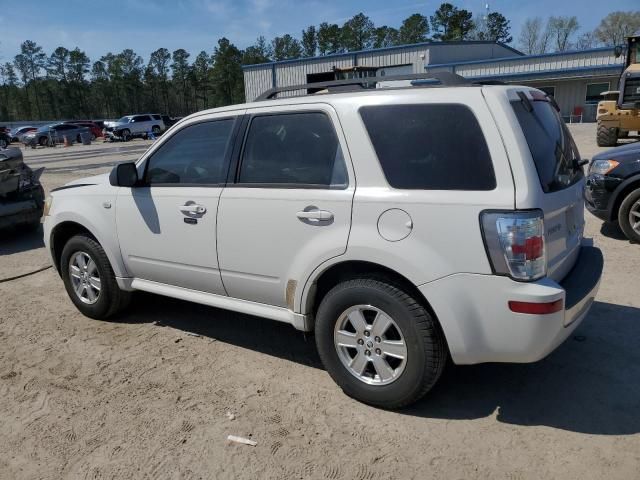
<point x="96" y="131"/>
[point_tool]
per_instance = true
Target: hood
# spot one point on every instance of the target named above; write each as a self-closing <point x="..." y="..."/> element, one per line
<point x="624" y="154"/>
<point x="94" y="180"/>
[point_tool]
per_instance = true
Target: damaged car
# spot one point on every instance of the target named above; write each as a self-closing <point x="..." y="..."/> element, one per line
<point x="21" y="194"/>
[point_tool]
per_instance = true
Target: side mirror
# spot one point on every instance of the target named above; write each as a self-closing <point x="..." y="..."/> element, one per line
<point x="124" y="175"/>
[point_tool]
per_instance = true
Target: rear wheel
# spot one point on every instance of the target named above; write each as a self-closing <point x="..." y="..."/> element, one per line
<point x="629" y="216"/>
<point x="156" y="130"/>
<point x="607" y="136"/>
<point x="379" y="344"/>
<point x="3" y="143"/>
<point x="89" y="278"/>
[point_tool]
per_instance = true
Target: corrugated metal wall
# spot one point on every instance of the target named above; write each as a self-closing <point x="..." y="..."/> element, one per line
<point x="258" y="79"/>
<point x="539" y="64"/>
<point x="572" y="93"/>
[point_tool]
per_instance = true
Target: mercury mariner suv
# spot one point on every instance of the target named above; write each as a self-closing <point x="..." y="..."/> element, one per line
<point x="404" y="226"/>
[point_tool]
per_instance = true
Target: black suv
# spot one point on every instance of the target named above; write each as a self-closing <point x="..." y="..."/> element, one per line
<point x="613" y="188"/>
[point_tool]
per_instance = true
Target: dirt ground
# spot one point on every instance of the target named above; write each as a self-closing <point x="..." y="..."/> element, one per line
<point x="155" y="394"/>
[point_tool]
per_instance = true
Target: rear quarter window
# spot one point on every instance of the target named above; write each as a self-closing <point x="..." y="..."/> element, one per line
<point x="552" y="148"/>
<point x="430" y="146"/>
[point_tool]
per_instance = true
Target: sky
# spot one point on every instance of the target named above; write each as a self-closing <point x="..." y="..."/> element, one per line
<point x="98" y="27"/>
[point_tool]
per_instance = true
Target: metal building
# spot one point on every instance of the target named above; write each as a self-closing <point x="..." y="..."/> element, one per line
<point x="391" y="61"/>
<point x="576" y="79"/>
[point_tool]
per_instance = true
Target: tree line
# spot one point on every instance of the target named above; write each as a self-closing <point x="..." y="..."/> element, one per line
<point x="559" y="34"/>
<point x="66" y="84"/>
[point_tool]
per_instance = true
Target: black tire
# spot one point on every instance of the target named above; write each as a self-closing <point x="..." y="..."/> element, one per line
<point x="3" y="143"/>
<point x="79" y="139"/>
<point x="156" y="130"/>
<point x="629" y="205"/>
<point x="607" y="137"/>
<point x="43" y="141"/>
<point x="126" y="134"/>
<point x="111" y="299"/>
<point x="426" y="347"/>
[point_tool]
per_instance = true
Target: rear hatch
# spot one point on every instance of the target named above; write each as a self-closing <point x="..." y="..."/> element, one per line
<point x="555" y="156"/>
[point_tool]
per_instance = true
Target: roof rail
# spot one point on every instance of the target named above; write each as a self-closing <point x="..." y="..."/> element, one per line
<point x="446" y="79"/>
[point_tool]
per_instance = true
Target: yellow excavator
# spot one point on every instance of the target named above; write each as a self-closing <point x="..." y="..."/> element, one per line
<point x="619" y="110"/>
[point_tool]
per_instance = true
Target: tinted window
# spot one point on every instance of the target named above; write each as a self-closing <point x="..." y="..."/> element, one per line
<point x="195" y="154"/>
<point x="552" y="148"/>
<point x="297" y="149"/>
<point x="64" y="127"/>
<point x="142" y="118"/>
<point x="430" y="147"/>
<point x="156" y="117"/>
<point x="594" y="92"/>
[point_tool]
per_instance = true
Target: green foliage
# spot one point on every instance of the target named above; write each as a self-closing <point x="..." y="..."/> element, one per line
<point x="286" y="47"/>
<point x="329" y="39"/>
<point x="357" y="33"/>
<point x="451" y="23"/>
<point x="309" y="41"/>
<point x="414" y="29"/>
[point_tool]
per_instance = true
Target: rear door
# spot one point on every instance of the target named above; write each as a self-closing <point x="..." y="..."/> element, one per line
<point x="561" y="182"/>
<point x="289" y="206"/>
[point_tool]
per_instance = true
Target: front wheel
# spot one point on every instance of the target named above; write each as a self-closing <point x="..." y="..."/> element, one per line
<point x="629" y="216"/>
<point x="89" y="278"/>
<point x="126" y="135"/>
<point x="156" y="130"/>
<point x="378" y="343"/>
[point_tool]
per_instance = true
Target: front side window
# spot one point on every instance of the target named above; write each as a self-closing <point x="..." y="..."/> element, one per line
<point x="141" y="118"/>
<point x="193" y="155"/>
<point x="430" y="146"/>
<point x="293" y="149"/>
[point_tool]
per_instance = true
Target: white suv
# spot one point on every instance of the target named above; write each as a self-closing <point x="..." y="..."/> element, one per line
<point x="402" y="225"/>
<point x="136" y="125"/>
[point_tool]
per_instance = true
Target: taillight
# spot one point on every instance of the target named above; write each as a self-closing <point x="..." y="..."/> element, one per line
<point x="515" y="243"/>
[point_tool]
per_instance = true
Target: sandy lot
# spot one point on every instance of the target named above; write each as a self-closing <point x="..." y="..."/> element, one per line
<point x="151" y="395"/>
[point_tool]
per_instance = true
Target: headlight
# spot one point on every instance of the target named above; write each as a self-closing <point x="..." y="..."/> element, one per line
<point x="47" y="206"/>
<point x="603" y="167"/>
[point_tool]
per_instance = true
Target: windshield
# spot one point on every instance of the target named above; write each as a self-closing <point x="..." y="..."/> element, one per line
<point x="124" y="120"/>
<point x="552" y="147"/>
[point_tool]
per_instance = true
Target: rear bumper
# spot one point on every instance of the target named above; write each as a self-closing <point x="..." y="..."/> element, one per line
<point x="479" y="326"/>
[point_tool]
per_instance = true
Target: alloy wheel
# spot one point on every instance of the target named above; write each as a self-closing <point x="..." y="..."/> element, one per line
<point x="85" y="278"/>
<point x="370" y="345"/>
<point x="634" y="217"/>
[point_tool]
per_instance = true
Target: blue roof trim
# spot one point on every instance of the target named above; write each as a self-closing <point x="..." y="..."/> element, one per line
<point x="374" y="50"/>
<point x="614" y="68"/>
<point x="524" y="57"/>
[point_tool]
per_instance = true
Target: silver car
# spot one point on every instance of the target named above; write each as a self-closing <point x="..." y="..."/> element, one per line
<point x="56" y="133"/>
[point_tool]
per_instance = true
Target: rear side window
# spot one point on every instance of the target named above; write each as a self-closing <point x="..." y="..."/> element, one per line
<point x="141" y="118"/>
<point x="296" y="149"/>
<point x="552" y="148"/>
<point x="430" y="147"/>
<point x="156" y="117"/>
<point x="194" y="155"/>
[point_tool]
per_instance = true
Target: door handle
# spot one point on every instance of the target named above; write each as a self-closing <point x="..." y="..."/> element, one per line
<point x="315" y="214"/>
<point x="192" y="209"/>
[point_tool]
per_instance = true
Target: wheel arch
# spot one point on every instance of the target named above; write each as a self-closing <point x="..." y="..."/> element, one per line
<point x="624" y="189"/>
<point x="327" y="278"/>
<point x="63" y="231"/>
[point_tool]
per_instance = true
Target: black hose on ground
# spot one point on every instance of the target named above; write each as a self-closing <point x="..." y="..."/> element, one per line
<point x="41" y="269"/>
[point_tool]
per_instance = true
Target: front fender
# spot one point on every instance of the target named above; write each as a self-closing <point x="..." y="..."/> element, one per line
<point x="99" y="221"/>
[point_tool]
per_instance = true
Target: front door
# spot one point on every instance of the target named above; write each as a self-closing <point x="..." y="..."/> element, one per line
<point x="167" y="225"/>
<point x="289" y="209"/>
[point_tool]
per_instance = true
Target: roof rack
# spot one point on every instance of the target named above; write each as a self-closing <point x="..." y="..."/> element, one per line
<point x="445" y="79"/>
